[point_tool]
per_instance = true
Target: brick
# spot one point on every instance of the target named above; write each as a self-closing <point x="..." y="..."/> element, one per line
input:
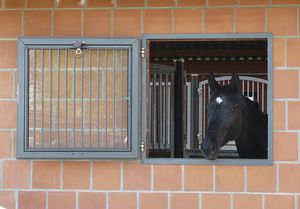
<point x="37" y="23"/>
<point x="192" y="182"/>
<point x="292" y="48"/>
<point x="61" y="200"/>
<point x="122" y="200"/>
<point x="293" y="114"/>
<point x="14" y="4"/>
<point x="218" y="20"/>
<point x="32" y="200"/>
<point x="8" y="114"/>
<point x="221" y="2"/>
<point x="16" y="174"/>
<point x="67" y="23"/>
<point x="191" y="2"/>
<point x="288" y="178"/>
<point x="184" y="200"/>
<point x="282" y="21"/>
<point x="213" y="201"/>
<point x="153" y="200"/>
<point x="127" y="22"/>
<point x="5" y="144"/>
<point x="133" y="181"/>
<point x="8" y="59"/>
<point x="229" y="178"/>
<point x="261" y="178"/>
<point x="284" y="141"/>
<point x="106" y="175"/>
<point x="46" y="174"/>
<point x="278" y="52"/>
<point x="247" y="201"/>
<point x="88" y="200"/>
<point x="76" y="175"/>
<point x="254" y="2"/>
<point x="69" y="4"/>
<point x="279" y="115"/>
<point x="13" y="29"/>
<point x="6" y="79"/>
<point x="157" y="21"/>
<point x="285" y="2"/>
<point x="102" y="3"/>
<point x="131" y="3"/>
<point x="99" y="26"/>
<point x="250" y="20"/>
<point x="279" y="202"/>
<point x="7" y="199"/>
<point x="167" y="177"/>
<point x="187" y="21"/>
<point x="289" y="79"/>
<point x="39" y="4"/>
<point x="162" y="3"/>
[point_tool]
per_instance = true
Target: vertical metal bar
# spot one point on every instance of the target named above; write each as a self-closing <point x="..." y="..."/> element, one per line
<point x="151" y="111"/>
<point x="58" y="90"/>
<point x="98" y="109"/>
<point x="105" y="57"/>
<point x="34" y="96"/>
<point x="90" y="97"/>
<point x="172" y="111"/>
<point x="263" y="98"/>
<point x="166" y="128"/>
<point x="253" y="90"/>
<point x="114" y="98"/>
<point x="243" y="87"/>
<point x="154" y="112"/>
<point x="257" y="92"/>
<point x="66" y="82"/>
<point x="82" y="94"/>
<point x="50" y="101"/>
<point x="74" y="102"/>
<point x="122" y="115"/>
<point x="200" y="114"/>
<point x="204" y="108"/>
<point x="160" y="122"/>
<point x="248" y="86"/>
<point x="194" y="112"/>
<point x="42" y="98"/>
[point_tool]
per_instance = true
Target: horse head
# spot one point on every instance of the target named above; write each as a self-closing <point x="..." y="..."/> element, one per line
<point x="224" y="116"/>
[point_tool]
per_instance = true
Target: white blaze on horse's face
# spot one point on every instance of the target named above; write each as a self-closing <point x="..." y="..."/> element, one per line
<point x="219" y="100"/>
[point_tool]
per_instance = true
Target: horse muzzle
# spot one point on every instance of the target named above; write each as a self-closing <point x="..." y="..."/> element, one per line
<point x="209" y="150"/>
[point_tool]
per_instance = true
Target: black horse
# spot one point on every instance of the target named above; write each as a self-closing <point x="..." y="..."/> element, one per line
<point x="232" y="116"/>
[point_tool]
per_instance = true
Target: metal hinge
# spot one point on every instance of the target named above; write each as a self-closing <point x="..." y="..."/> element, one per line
<point x="142" y="146"/>
<point x="142" y="52"/>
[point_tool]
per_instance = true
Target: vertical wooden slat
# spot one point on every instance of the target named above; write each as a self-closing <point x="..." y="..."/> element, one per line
<point x="58" y="90"/>
<point x="42" y="98"/>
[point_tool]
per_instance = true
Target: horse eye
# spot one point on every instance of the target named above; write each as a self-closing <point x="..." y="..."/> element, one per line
<point x="234" y="107"/>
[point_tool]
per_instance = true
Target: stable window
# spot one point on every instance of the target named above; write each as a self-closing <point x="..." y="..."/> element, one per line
<point x="179" y="88"/>
<point x="78" y="98"/>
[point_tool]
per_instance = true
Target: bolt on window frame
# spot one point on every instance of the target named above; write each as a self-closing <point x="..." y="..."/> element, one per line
<point x="24" y="45"/>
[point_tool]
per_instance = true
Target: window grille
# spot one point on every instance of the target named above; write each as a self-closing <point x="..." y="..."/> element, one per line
<point x="78" y="98"/>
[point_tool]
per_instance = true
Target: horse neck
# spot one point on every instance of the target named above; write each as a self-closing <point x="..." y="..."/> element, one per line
<point x="253" y="124"/>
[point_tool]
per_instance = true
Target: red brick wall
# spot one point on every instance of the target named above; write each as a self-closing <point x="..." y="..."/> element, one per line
<point x="126" y="185"/>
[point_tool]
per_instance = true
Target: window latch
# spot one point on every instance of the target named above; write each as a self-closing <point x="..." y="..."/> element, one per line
<point x="78" y="45"/>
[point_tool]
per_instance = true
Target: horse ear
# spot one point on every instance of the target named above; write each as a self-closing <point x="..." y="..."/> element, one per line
<point x="213" y="84"/>
<point x="235" y="82"/>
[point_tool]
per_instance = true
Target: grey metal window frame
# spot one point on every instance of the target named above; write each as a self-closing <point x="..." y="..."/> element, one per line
<point x="26" y="43"/>
<point x="239" y="36"/>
